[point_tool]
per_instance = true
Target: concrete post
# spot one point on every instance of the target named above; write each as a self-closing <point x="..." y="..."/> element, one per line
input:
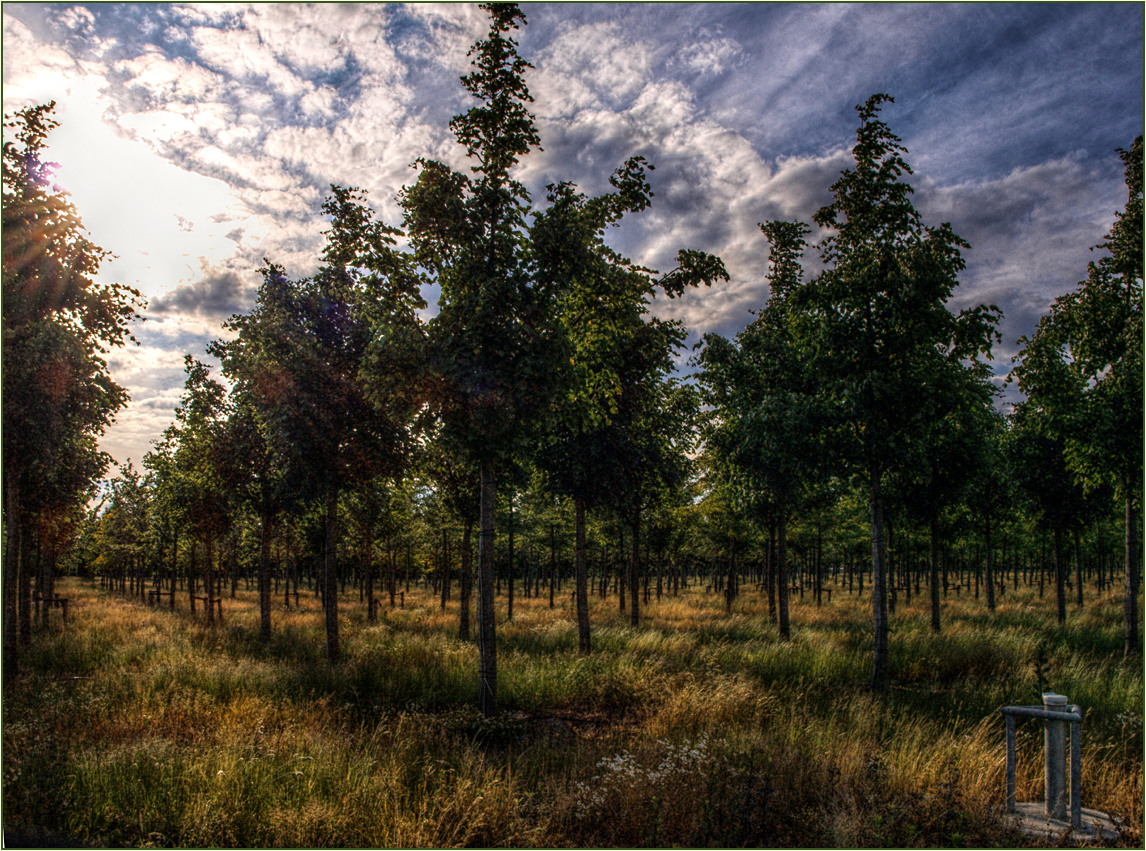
<point x="1055" y="758"/>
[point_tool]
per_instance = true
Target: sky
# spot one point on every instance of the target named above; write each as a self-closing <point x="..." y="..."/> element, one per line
<point x="198" y="139"/>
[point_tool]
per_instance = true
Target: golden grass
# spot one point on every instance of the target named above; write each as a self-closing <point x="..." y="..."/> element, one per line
<point x="142" y="726"/>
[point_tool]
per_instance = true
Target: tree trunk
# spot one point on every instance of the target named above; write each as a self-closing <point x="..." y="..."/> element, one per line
<point x="330" y="578"/>
<point x="209" y="574"/>
<point x="445" y="577"/>
<point x="879" y="674"/>
<point x="509" y="612"/>
<point x="1130" y="602"/>
<point x="782" y="573"/>
<point x="11" y="578"/>
<point x="368" y="579"/>
<point x="635" y="574"/>
<point x="25" y="575"/>
<point x="583" y="639"/>
<point x="552" y="561"/>
<point x="990" y="568"/>
<point x="487" y="631"/>
<point x="933" y="557"/>
<point x="771" y="578"/>
<point x="465" y="582"/>
<point x="265" y="579"/>
<point x="1078" y="568"/>
<point x="1059" y="575"/>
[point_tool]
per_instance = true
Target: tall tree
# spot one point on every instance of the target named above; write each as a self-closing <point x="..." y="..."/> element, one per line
<point x="884" y="342"/>
<point x="764" y="430"/>
<point x="57" y="322"/>
<point x="1083" y="370"/>
<point x="305" y="357"/>
<point x="189" y="459"/>
<point x="619" y="356"/>
<point x="492" y="342"/>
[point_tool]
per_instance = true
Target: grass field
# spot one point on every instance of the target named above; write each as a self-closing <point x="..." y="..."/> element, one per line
<point x="135" y="726"/>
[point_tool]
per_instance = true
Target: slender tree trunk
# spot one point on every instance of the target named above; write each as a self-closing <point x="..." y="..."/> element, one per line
<point x="1078" y="569"/>
<point x="879" y="675"/>
<point x="552" y="561"/>
<point x="782" y="572"/>
<point x="1130" y="601"/>
<point x="487" y="628"/>
<point x="209" y="575"/>
<point x="445" y="578"/>
<point x="1059" y="575"/>
<point x="635" y="573"/>
<point x="819" y="565"/>
<point x="11" y="659"/>
<point x="393" y="560"/>
<point x="368" y="581"/>
<point x="933" y="557"/>
<point x="330" y="578"/>
<point x="770" y="579"/>
<point x="509" y="611"/>
<point x="465" y="581"/>
<point x="583" y="639"/>
<point x="265" y="578"/>
<point x="990" y="568"/>
<point x="25" y="588"/>
<point x="43" y="582"/>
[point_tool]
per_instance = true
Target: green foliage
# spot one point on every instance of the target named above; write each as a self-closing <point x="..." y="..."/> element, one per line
<point x="58" y="397"/>
<point x="1083" y="369"/>
<point x="889" y="350"/>
<point x="57" y="321"/>
<point x="764" y="434"/>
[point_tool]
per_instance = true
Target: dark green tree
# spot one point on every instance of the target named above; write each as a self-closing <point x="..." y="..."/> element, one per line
<point x="764" y="432"/>
<point x="886" y="347"/>
<point x="493" y="341"/>
<point x="1082" y="369"/>
<point x="306" y="357"/>
<point x="190" y="458"/>
<point x="599" y="446"/>
<point x="57" y="322"/>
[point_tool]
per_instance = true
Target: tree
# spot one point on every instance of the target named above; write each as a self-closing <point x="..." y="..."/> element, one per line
<point x="764" y="431"/>
<point x="57" y="322"/>
<point x="189" y="459"/>
<point x="493" y="340"/>
<point x="1083" y="369"/>
<point x="620" y="358"/>
<point x="887" y="348"/>
<point x="307" y="359"/>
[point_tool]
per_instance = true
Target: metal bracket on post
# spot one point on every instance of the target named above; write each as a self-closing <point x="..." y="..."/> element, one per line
<point x="1056" y="713"/>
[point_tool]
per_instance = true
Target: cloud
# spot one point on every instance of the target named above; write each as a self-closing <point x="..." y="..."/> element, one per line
<point x="234" y="119"/>
<point x="1030" y="232"/>
<point x="709" y="56"/>
<point x="589" y="67"/>
<point x="218" y="294"/>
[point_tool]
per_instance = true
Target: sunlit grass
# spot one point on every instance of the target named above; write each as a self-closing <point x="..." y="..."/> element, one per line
<point x="143" y="726"/>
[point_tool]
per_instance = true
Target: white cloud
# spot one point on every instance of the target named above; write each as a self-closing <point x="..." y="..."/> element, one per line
<point x="33" y="72"/>
<point x="709" y="56"/>
<point x="241" y="54"/>
<point x="588" y="67"/>
<point x="76" y="19"/>
<point x="163" y="80"/>
<point x="451" y="29"/>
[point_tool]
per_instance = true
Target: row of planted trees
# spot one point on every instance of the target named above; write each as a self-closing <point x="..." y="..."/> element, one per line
<point x="855" y="413"/>
<point x="419" y="542"/>
<point x="864" y="375"/>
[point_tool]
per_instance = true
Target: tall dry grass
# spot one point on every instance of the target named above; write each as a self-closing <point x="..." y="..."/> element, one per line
<point x="137" y="726"/>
